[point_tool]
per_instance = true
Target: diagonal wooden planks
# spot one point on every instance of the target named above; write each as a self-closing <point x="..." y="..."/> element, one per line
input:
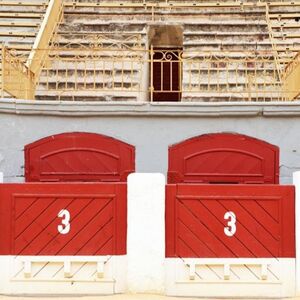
<point x="261" y="218"/>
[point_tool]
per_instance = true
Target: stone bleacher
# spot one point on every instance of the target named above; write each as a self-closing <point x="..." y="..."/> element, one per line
<point x="207" y="26"/>
<point x="20" y="22"/>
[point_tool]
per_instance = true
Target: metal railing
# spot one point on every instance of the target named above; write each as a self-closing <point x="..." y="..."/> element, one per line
<point x="46" y="35"/>
<point x="17" y="80"/>
<point x="110" y="73"/>
<point x="272" y="39"/>
<point x="291" y="78"/>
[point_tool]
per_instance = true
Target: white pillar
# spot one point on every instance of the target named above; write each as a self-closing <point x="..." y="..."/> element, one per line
<point x="296" y="181"/>
<point x="1" y="177"/>
<point x="146" y="233"/>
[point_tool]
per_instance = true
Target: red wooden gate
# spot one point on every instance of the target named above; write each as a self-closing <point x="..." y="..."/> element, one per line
<point x="78" y="157"/>
<point x="230" y="221"/>
<point x="223" y="158"/>
<point x="63" y="219"/>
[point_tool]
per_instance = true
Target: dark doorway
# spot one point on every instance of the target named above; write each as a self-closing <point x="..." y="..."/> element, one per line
<point x="166" y="42"/>
<point x="166" y="74"/>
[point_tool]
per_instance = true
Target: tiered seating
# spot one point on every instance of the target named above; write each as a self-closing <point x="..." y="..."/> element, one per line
<point x="205" y="29"/>
<point x="19" y="23"/>
<point x="96" y="75"/>
<point x="285" y="26"/>
<point x="228" y="28"/>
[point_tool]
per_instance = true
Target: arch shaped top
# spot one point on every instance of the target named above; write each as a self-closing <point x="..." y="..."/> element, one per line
<point x="78" y="156"/>
<point x="223" y="158"/>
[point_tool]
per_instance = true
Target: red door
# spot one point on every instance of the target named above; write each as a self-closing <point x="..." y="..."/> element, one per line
<point x="223" y="158"/>
<point x="78" y="156"/>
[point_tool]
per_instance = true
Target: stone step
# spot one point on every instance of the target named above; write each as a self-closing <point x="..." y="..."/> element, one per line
<point x="117" y="78"/>
<point x="88" y="72"/>
<point x="19" y="31"/>
<point x="23" y="10"/>
<point x="194" y="68"/>
<point x="289" y="24"/>
<point x="81" y="60"/>
<point x="219" y="26"/>
<point x="229" y="97"/>
<point x="88" y="95"/>
<point x="220" y="39"/>
<point x="24" y="3"/>
<point x="242" y="80"/>
<point x="13" y="24"/>
<point x="287" y="35"/>
<point x="126" y="80"/>
<point x="224" y="33"/>
<point x="194" y="2"/>
<point x="19" y="23"/>
<point x="136" y="13"/>
<point x="227" y="47"/>
<point x="105" y="37"/>
<point x="121" y="27"/>
<point x="188" y="24"/>
<point x="17" y="40"/>
<point x="85" y="86"/>
<point x="20" y="16"/>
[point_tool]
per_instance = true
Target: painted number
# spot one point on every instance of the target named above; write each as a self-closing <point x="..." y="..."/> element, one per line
<point x="230" y="230"/>
<point x="65" y="227"/>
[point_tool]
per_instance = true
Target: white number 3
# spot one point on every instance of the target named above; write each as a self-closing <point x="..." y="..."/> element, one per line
<point x="65" y="228"/>
<point x="230" y="230"/>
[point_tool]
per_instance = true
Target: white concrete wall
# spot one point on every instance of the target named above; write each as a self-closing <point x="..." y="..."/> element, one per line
<point x="296" y="181"/>
<point x="146" y="233"/>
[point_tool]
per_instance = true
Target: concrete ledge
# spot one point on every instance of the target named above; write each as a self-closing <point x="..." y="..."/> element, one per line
<point x="192" y="109"/>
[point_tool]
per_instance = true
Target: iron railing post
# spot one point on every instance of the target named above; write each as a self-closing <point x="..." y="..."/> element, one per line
<point x="2" y="69"/>
<point x="151" y="73"/>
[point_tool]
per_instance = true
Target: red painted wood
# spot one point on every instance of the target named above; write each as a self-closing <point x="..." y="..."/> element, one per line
<point x="223" y="158"/>
<point x="29" y="218"/>
<point x="195" y="221"/>
<point x="78" y="157"/>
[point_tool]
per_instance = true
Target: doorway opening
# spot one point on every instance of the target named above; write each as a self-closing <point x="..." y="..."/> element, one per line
<point x="165" y="62"/>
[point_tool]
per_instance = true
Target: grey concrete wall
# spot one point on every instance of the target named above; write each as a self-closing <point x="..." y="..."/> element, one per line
<point x="151" y="131"/>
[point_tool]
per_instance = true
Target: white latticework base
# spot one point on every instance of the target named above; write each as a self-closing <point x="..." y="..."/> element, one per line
<point x="62" y="275"/>
<point x="271" y="278"/>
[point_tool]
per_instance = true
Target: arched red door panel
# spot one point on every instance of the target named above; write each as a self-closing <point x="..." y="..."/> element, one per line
<point x="78" y="156"/>
<point x="223" y="158"/>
